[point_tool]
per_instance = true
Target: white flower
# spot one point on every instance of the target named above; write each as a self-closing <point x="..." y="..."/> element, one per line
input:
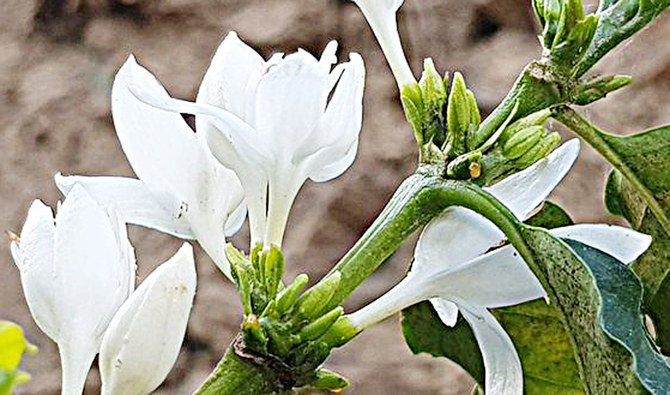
<point x="272" y="122"/>
<point x="143" y="339"/>
<point x="381" y="15"/>
<point x="75" y="273"/>
<point x="453" y="270"/>
<point x="182" y="190"/>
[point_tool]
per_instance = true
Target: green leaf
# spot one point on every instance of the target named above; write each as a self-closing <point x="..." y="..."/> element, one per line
<point x="640" y="192"/>
<point x="653" y="266"/>
<point x="621" y="316"/>
<point x="550" y="216"/>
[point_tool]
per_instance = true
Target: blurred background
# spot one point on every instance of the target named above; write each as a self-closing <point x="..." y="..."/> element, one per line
<point x="57" y="62"/>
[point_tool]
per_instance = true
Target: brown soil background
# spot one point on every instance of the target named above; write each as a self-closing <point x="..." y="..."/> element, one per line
<point x="57" y="61"/>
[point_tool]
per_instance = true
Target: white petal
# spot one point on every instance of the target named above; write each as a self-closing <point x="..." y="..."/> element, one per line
<point x="34" y="256"/>
<point x="455" y="237"/>
<point x="147" y="91"/>
<point x="496" y="279"/>
<point x="331" y="147"/>
<point x="160" y="146"/>
<point x="446" y="310"/>
<point x="234" y="70"/>
<point x="503" y="374"/>
<point x="290" y="100"/>
<point x="328" y="56"/>
<point x="92" y="271"/>
<point x="622" y="243"/>
<point x="133" y="200"/>
<point x="144" y="339"/>
<point x="524" y="191"/>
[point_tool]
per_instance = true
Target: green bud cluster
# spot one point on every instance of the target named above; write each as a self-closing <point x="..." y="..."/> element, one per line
<point x="517" y="147"/>
<point x="285" y="322"/>
<point x="566" y="30"/>
<point x="441" y="119"/>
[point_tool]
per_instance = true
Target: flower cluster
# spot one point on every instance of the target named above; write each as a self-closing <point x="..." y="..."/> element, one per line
<point x="262" y="129"/>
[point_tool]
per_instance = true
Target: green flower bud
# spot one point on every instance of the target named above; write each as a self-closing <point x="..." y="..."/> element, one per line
<point x="598" y="88"/>
<point x="329" y="381"/>
<point x="458" y="117"/>
<point x="290" y="294"/>
<point x="522" y="141"/>
<point x="340" y="333"/>
<point x="412" y="102"/>
<point x="273" y="266"/>
<point x="242" y="272"/>
<point x="434" y="94"/>
<point x="475" y="116"/>
<point x="320" y="326"/>
<point x="535" y="119"/>
<point x="311" y="304"/>
<point x="539" y="151"/>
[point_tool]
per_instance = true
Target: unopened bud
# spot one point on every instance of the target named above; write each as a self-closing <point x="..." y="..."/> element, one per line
<point x="412" y="103"/>
<point x="539" y="151"/>
<point x="290" y="294"/>
<point x="320" y="326"/>
<point x="458" y="117"/>
<point x="434" y="94"/>
<point x="522" y="141"/>
<point x="313" y="301"/>
<point x="329" y="381"/>
<point x="600" y="87"/>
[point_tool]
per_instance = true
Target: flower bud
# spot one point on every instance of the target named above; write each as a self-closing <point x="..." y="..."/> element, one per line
<point x="600" y="87"/>
<point x="522" y="141"/>
<point x="459" y="117"/>
<point x="320" y="326"/>
<point x="143" y="339"/>
<point x="434" y="94"/>
<point x="290" y="294"/>
<point x="313" y="301"/>
<point x="329" y="381"/>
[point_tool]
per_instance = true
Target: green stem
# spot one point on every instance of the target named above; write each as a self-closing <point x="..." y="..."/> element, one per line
<point x="419" y="199"/>
<point x="241" y="374"/>
<point x="597" y="139"/>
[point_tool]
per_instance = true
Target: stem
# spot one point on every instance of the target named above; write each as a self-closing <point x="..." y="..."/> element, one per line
<point x="239" y="373"/>
<point x="406" y="212"/>
<point x="419" y="199"/>
<point x="597" y="139"/>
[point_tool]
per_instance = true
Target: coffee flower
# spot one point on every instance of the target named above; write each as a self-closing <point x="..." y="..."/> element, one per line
<point x="182" y="190"/>
<point x="272" y="122"/>
<point x="453" y="270"/>
<point x="381" y="15"/>
<point x="144" y="338"/>
<point x="76" y="270"/>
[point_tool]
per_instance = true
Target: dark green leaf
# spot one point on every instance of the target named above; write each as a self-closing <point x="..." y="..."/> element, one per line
<point x="653" y="266"/>
<point x="621" y="317"/>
